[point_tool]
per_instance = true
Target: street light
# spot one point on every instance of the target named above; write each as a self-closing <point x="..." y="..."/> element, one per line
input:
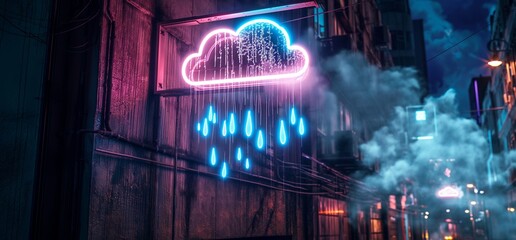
<point x="494" y="62"/>
<point x="470" y="185"/>
<point x="496" y="46"/>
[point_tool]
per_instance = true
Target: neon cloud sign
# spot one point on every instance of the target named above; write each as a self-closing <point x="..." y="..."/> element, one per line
<point x="449" y="192"/>
<point x="257" y="53"/>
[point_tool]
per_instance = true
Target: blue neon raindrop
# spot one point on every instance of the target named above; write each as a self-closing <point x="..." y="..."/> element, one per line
<point x="239" y="154"/>
<point x="205" y="127"/>
<point x="198" y="127"/>
<point x="210" y="114"/>
<point x="232" y="123"/>
<point x="224" y="129"/>
<point x="224" y="172"/>
<point x="213" y="157"/>
<point x="282" y="133"/>
<point x="247" y="164"/>
<point x="293" y="116"/>
<point x="301" y="127"/>
<point x="259" y="140"/>
<point x="248" y="124"/>
<point x="214" y="120"/>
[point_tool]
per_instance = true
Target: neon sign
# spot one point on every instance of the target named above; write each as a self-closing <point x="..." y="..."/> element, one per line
<point x="449" y="192"/>
<point x="257" y="53"/>
<point x="250" y="141"/>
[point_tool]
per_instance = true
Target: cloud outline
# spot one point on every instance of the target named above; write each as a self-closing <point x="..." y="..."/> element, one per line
<point x="449" y="192"/>
<point x="247" y="81"/>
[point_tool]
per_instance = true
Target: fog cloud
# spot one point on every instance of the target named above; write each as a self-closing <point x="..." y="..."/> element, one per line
<point x="456" y="154"/>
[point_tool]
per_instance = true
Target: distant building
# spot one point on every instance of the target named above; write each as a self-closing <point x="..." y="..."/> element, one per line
<point x="407" y="36"/>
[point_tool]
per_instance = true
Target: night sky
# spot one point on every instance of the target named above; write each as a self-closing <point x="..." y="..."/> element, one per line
<point x="447" y="23"/>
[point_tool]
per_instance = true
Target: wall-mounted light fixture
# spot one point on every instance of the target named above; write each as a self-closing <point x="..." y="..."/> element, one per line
<point x="497" y="47"/>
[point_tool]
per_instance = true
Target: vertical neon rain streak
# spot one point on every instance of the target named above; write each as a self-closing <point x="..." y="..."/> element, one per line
<point x="213" y="157"/>
<point x="301" y="127"/>
<point x="248" y="124"/>
<point x="205" y="128"/>
<point x="232" y="123"/>
<point x="210" y="114"/>
<point x="239" y="154"/>
<point x="282" y="133"/>
<point x="297" y="124"/>
<point x="259" y="140"/>
<point x="293" y="116"/>
<point x="224" y="129"/>
<point x="224" y="172"/>
<point x="247" y="164"/>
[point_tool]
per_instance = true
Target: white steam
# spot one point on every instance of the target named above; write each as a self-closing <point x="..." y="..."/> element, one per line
<point x="457" y="154"/>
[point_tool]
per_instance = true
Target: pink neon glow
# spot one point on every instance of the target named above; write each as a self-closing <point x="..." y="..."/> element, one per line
<point x="449" y="192"/>
<point x="294" y="70"/>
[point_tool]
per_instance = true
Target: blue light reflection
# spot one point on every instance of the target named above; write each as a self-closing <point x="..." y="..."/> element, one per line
<point x="224" y="172"/>
<point x="213" y="157"/>
<point x="282" y="133"/>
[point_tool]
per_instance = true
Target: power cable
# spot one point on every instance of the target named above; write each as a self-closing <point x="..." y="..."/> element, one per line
<point x="28" y="34"/>
<point x="452" y="46"/>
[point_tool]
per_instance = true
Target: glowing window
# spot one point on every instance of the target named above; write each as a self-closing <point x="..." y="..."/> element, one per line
<point x="420" y="116"/>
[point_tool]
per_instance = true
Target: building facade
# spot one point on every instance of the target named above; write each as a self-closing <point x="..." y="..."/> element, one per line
<point x="407" y="38"/>
<point x="499" y="118"/>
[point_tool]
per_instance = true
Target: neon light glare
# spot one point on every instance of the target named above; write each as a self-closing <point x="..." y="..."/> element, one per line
<point x="332" y="212"/>
<point x="205" y="128"/>
<point x="224" y="129"/>
<point x="247" y="164"/>
<point x="232" y="123"/>
<point x="248" y="124"/>
<point x="229" y="126"/>
<point x="301" y="129"/>
<point x="224" y="172"/>
<point x="210" y="114"/>
<point x="449" y="192"/>
<point x="239" y="154"/>
<point x="295" y="55"/>
<point x="425" y="137"/>
<point x="213" y="157"/>
<point x="420" y="115"/>
<point x="293" y="116"/>
<point x="282" y="133"/>
<point x="259" y="140"/>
